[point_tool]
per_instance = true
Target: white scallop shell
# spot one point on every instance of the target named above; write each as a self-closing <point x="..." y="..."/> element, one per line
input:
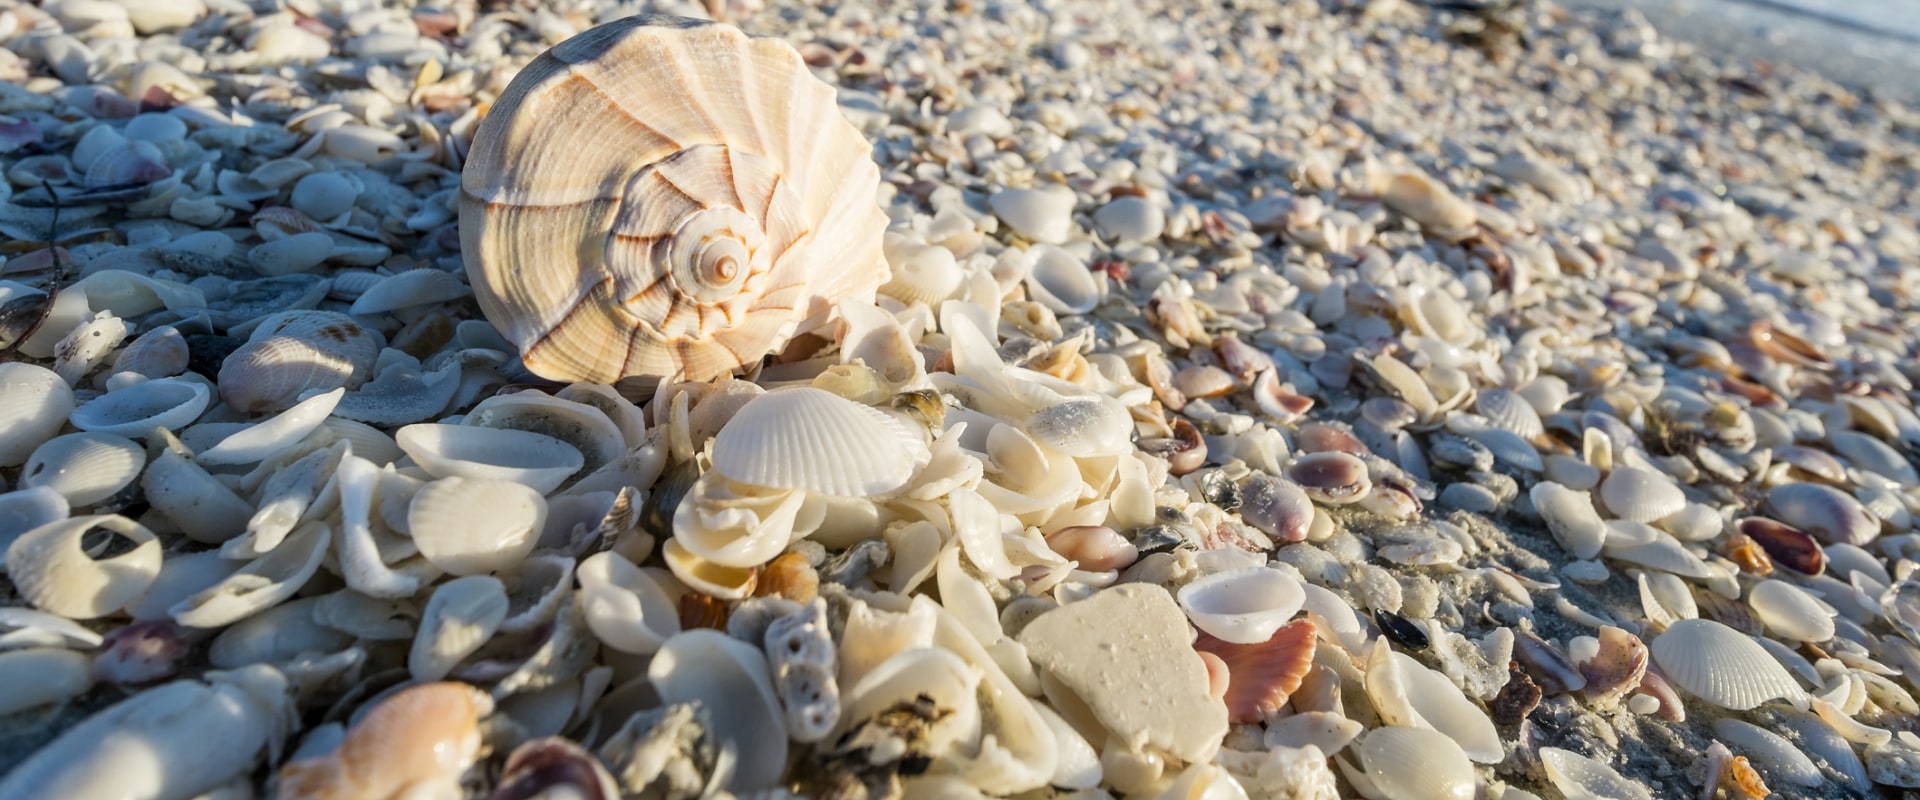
<point x="540" y="462"/>
<point x="86" y="468"/>
<point x="920" y="272"/>
<point x="1582" y="778"/>
<point x="1406" y="763"/>
<point x="471" y="526"/>
<point x="460" y="617"/>
<point x="806" y="438"/>
<point x="291" y="353"/>
<point x="1243" y="606"/>
<point x="34" y="404"/>
<point x="37" y="676"/>
<point x="414" y="287"/>
<point x="136" y="410"/>
<point x="1640" y="495"/>
<point x="1509" y="411"/>
<point x="730" y="679"/>
<point x="1407" y="693"/>
<point x="1571" y="517"/>
<point x="274" y="434"/>
<point x="1790" y="612"/>
<point x="52" y="570"/>
<point x="626" y="608"/>
<point x="263" y="583"/>
<point x="1721" y="666"/>
<point x="738" y="206"/>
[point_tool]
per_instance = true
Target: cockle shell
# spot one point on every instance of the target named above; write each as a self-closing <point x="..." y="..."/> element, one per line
<point x="738" y="206"/>
<point x="1261" y="676"/>
<point x="84" y="467"/>
<point x="51" y="568"/>
<point x="811" y="439"/>
<point x="295" y="352"/>
<point x="1721" y="666"/>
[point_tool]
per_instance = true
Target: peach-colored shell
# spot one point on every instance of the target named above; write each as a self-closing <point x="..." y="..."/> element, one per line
<point x="420" y="739"/>
<point x="665" y="197"/>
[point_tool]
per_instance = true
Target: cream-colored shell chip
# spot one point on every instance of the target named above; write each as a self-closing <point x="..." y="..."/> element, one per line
<point x="666" y="197"/>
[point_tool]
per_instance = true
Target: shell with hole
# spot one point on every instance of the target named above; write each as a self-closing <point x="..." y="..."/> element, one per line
<point x="711" y="235"/>
<point x="57" y="570"/>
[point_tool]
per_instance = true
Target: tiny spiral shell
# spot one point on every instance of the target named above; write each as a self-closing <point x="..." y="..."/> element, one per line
<point x="666" y="197"/>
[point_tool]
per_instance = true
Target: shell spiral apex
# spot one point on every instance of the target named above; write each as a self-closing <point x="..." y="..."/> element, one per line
<point x="666" y="197"/>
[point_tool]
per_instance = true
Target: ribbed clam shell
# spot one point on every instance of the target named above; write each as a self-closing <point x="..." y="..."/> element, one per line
<point x="34" y="404"/>
<point x="1578" y="776"/>
<point x="52" y="570"/>
<point x="625" y="607"/>
<point x="1790" y="612"/>
<point x="414" y="287"/>
<point x="1242" y="606"/>
<point x="1786" y="545"/>
<point x="1720" y="666"/>
<point x="806" y="438"/>
<point x="920" y="272"/>
<point x="1404" y="763"/>
<point x="158" y="353"/>
<point x="136" y="410"/>
<point x="471" y="526"/>
<point x="539" y="462"/>
<point x="1640" y="495"/>
<point x="86" y="468"/>
<point x="126" y="164"/>
<point x="1823" y="511"/>
<point x="736" y="207"/>
<point x="460" y="617"/>
<point x="1507" y="410"/>
<point x="1261" y="675"/>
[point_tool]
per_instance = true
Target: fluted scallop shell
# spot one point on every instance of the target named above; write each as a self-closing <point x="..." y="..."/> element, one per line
<point x="1790" y="612"/>
<point x="1507" y="410"/>
<point x="1640" y="495"/>
<point x="136" y="410"/>
<point x="540" y="462"/>
<point x="34" y="404"/>
<point x="664" y="197"/>
<point x="1721" y="666"/>
<point x="1242" y="606"/>
<point x="811" y="439"/>
<point x="86" y="468"/>
<point x="460" y="617"/>
<point x="1578" y="776"/>
<point x="295" y="352"/>
<point x="1404" y="763"/>
<point x="625" y="607"/>
<point x="471" y="526"/>
<point x="51" y="568"/>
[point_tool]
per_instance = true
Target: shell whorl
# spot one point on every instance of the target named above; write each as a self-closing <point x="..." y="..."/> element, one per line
<point x="666" y="197"/>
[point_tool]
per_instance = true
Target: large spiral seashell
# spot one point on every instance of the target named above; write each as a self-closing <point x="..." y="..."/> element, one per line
<point x="666" y="197"/>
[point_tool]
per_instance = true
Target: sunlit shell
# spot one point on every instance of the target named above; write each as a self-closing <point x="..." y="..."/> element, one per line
<point x="421" y="738"/>
<point x="1405" y="763"/>
<point x="84" y="467"/>
<point x="1581" y="778"/>
<point x="1720" y="666"/>
<point x="51" y="567"/>
<point x="1790" y="612"/>
<point x="1332" y="477"/>
<point x="1571" y="517"/>
<point x="1823" y="511"/>
<point x="1509" y="411"/>
<point x="713" y="233"/>
<point x="274" y="434"/>
<point x="292" y="353"/>
<point x="134" y="411"/>
<point x="1636" y="494"/>
<point x="1406" y="692"/>
<point x="584" y="426"/>
<point x="472" y="526"/>
<point x="1778" y="758"/>
<point x="625" y="607"/>
<point x="462" y="615"/>
<point x="414" y="287"/>
<point x="263" y="583"/>
<point x="1243" y="606"/>
<point x="539" y="462"/>
<point x="806" y="438"/>
<point x="730" y="678"/>
<point x="1786" y="545"/>
<point x="1260" y="676"/>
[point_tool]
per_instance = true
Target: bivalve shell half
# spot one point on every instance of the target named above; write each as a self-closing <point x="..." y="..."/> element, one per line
<point x="1579" y="777"/>
<point x="135" y="411"/>
<point x="731" y="679"/>
<point x="1720" y="666"/>
<point x="37" y="676"/>
<point x="415" y="287"/>
<point x="1790" y="612"/>
<point x="1571" y="517"/>
<point x="625" y="607"/>
<point x="1778" y="759"/>
<point x="1640" y="495"/>
<point x="811" y="439"/>
<point x="86" y="468"/>
<point x="52" y="569"/>
<point x="472" y="526"/>
<point x="584" y="426"/>
<point x="1406" y="692"/>
<point x="34" y="404"/>
<point x="460" y="617"/>
<point x="466" y="451"/>
<point x="1403" y="763"/>
<point x="1331" y="477"/>
<point x="1242" y="606"/>
<point x="273" y="435"/>
<point x="1823" y="511"/>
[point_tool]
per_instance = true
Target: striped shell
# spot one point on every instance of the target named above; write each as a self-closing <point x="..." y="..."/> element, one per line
<point x="665" y="197"/>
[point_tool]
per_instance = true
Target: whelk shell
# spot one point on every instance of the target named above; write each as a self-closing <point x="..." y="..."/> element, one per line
<point x="651" y="280"/>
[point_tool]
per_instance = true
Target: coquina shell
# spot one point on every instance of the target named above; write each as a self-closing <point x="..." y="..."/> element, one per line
<point x="1721" y="666"/>
<point x="664" y="197"/>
